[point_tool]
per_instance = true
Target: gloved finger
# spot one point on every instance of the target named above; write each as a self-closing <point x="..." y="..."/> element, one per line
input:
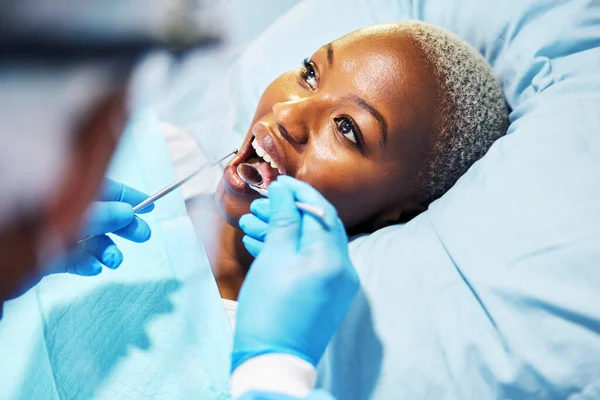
<point x="313" y="231"/>
<point x="283" y="231"/>
<point x="254" y="227"/>
<point x="105" y="250"/>
<point x="105" y="216"/>
<point x="317" y="236"/>
<point x="305" y="193"/>
<point x="253" y="246"/>
<point x="137" y="231"/>
<point x="261" y="208"/>
<point x="82" y="263"/>
<point x="116" y="191"/>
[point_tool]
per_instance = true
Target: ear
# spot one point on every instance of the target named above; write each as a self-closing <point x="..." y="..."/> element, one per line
<point x="398" y="215"/>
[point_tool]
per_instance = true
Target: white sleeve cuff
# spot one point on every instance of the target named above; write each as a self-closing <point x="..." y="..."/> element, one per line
<point x="276" y="373"/>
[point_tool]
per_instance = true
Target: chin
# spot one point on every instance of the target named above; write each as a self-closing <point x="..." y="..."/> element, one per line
<point x="230" y="207"/>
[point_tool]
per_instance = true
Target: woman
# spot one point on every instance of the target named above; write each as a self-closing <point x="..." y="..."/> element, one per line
<point x="381" y="121"/>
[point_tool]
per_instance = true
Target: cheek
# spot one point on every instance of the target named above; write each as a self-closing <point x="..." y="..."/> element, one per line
<point x="350" y="184"/>
<point x="231" y="208"/>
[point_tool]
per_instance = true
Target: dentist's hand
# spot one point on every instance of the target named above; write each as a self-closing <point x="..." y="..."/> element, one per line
<point x="113" y="213"/>
<point x="301" y="285"/>
<point x="255" y="226"/>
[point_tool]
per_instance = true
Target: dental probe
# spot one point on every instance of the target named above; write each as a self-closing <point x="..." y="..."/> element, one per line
<point x="163" y="192"/>
<point x="175" y="185"/>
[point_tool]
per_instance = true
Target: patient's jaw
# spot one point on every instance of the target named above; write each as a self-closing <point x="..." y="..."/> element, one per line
<point x="355" y="121"/>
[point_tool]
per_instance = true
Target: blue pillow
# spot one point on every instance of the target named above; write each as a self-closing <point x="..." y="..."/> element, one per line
<point x="494" y="291"/>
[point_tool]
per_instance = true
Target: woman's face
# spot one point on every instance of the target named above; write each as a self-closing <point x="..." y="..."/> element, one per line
<point x="354" y="121"/>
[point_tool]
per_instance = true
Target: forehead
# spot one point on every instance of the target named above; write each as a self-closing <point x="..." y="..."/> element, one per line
<point x="377" y="60"/>
<point x="384" y="66"/>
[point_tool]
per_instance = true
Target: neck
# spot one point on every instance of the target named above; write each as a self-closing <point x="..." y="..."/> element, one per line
<point x="226" y="253"/>
<point x="230" y="261"/>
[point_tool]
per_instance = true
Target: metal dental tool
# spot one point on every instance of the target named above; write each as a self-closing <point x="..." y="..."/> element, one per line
<point x="163" y="192"/>
<point x="252" y="176"/>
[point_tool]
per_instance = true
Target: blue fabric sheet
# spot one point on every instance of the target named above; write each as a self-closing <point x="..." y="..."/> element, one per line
<point x="153" y="329"/>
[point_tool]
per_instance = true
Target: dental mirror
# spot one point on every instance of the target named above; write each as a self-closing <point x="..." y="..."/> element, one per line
<point x="252" y="176"/>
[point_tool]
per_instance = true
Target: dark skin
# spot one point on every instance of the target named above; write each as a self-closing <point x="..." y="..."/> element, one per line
<point x="355" y="122"/>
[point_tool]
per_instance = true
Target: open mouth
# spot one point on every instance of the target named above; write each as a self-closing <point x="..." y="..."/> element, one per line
<point x="259" y="158"/>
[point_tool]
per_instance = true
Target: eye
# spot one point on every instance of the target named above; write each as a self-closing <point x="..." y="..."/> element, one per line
<point x="348" y="129"/>
<point x="309" y="74"/>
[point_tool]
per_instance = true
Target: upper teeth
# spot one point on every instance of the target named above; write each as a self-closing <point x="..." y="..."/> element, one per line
<point x="263" y="154"/>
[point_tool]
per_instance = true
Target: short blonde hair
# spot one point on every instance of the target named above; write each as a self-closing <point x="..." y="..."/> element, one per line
<point x="473" y="112"/>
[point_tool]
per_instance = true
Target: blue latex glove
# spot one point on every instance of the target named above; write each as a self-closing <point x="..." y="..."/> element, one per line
<point x="112" y="214"/>
<point x="301" y="284"/>
<point x="255" y="226"/>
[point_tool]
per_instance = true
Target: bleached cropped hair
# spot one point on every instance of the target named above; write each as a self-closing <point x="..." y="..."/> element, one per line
<point x="473" y="110"/>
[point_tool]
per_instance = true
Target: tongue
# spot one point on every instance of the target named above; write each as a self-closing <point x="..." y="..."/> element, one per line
<point x="268" y="173"/>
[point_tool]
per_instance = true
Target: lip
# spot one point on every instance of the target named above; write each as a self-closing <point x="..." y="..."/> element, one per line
<point x="266" y="139"/>
<point x="234" y="183"/>
<point x="232" y="180"/>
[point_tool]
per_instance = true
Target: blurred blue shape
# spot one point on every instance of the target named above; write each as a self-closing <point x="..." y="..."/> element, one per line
<point x="154" y="328"/>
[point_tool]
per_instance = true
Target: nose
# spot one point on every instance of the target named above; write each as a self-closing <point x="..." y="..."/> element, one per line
<point x="293" y="117"/>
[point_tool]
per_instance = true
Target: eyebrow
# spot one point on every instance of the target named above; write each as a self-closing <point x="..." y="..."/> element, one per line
<point x="329" y="49"/>
<point x="376" y="114"/>
<point x="362" y="103"/>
